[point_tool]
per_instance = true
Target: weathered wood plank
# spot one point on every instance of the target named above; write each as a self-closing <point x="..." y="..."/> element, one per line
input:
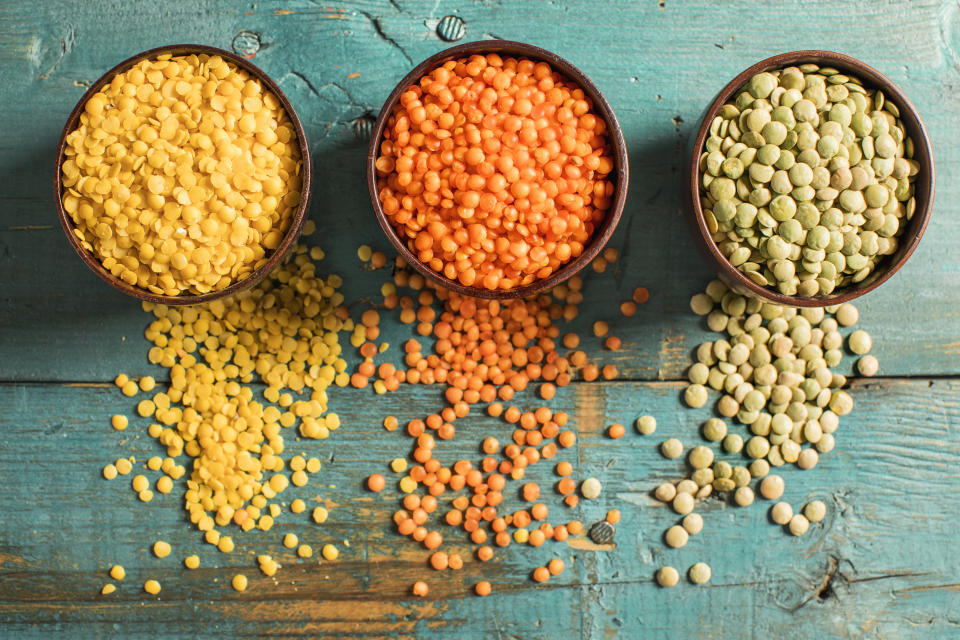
<point x="889" y="487"/>
<point x="52" y="305"/>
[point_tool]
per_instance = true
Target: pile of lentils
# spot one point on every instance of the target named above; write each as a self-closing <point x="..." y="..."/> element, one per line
<point x="182" y="175"/>
<point x="495" y="171"/>
<point x="807" y="179"/>
<point x="284" y="333"/>
<point x="774" y="373"/>
<point x="485" y="351"/>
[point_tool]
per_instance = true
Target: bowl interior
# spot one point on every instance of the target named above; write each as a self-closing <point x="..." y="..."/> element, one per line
<point x="620" y="173"/>
<point x="296" y="224"/>
<point x="924" y="185"/>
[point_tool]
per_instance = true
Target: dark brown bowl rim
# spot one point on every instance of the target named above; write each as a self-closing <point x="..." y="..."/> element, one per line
<point x="923" y="154"/>
<point x="621" y="170"/>
<point x="295" y="226"/>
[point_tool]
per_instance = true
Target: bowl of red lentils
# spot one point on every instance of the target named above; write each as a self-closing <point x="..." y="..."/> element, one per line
<point x="497" y="169"/>
<point x="183" y="175"/>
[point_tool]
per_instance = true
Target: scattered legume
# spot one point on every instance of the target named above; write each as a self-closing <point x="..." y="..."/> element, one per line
<point x="667" y="577"/>
<point x="699" y="573"/>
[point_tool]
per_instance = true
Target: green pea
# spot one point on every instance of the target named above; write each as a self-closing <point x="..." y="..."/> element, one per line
<point x="732" y="168"/>
<point x="741" y="476"/>
<point x="761" y="85"/>
<point x="700" y="457"/>
<point x="800" y="174"/>
<point x="714" y="429"/>
<point x="828" y="146"/>
<point x="859" y="342"/>
<point x="760" y="173"/>
<point x="790" y="230"/>
<point x="733" y="442"/>
<point x="885" y="145"/>
<point x="774" y="132"/>
<point x="723" y="189"/>
<point x="695" y="395"/>
<point x="782" y="208"/>
<point x="805" y="110"/>
<point x="806" y="193"/>
<point x="791" y="140"/>
<point x="818" y="237"/>
<point x="768" y="154"/>
<point x="757" y="447"/>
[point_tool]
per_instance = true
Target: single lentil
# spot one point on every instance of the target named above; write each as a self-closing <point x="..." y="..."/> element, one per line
<point x="667" y="577"/>
<point x="699" y="573"/>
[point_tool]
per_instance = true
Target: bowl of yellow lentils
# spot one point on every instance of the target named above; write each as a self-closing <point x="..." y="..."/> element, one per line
<point x="183" y="175"/>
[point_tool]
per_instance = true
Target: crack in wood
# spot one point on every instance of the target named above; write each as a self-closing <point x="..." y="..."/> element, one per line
<point x="375" y="21"/>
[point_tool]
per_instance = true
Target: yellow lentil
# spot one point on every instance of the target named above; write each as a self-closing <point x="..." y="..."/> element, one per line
<point x="330" y="552"/>
<point x="298" y="506"/>
<point x="119" y="422"/>
<point x="161" y="549"/>
<point x="225" y="544"/>
<point x="239" y="582"/>
<point x="191" y="562"/>
<point x="290" y="540"/>
<point x="305" y="551"/>
<point x="146" y="408"/>
<point x="147" y="383"/>
<point x="286" y="332"/>
<point x="110" y="472"/>
<point x="398" y="465"/>
<point x="140" y="483"/>
<point x="364" y="253"/>
<point x="107" y="589"/>
<point x="121" y="380"/>
<point x="124" y="466"/>
<point x="155" y="463"/>
<point x="320" y="515"/>
<point x="164" y="484"/>
<point x="129" y="388"/>
<point x="215" y="156"/>
<point x="151" y="587"/>
<point x="117" y="572"/>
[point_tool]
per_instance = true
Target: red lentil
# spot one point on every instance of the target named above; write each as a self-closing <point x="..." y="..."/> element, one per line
<point x="494" y="170"/>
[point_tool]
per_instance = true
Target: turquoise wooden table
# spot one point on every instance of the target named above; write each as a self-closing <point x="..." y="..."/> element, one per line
<point x="883" y="565"/>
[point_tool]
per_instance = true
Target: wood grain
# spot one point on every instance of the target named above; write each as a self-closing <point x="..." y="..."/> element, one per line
<point x="883" y="565"/>
<point x="890" y="488"/>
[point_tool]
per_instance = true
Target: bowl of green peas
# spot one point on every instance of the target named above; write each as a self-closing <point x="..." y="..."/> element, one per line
<point x="811" y="181"/>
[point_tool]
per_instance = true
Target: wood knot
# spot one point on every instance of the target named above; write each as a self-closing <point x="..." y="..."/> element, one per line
<point x="451" y="28"/>
<point x="246" y="43"/>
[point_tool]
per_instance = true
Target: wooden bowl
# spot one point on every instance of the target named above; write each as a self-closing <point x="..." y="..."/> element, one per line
<point x="296" y="224"/>
<point x="924" y="185"/>
<point x="619" y="175"/>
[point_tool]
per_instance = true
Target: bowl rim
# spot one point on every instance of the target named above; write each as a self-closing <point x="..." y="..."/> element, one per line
<point x="923" y="153"/>
<point x="511" y="48"/>
<point x="296" y="225"/>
